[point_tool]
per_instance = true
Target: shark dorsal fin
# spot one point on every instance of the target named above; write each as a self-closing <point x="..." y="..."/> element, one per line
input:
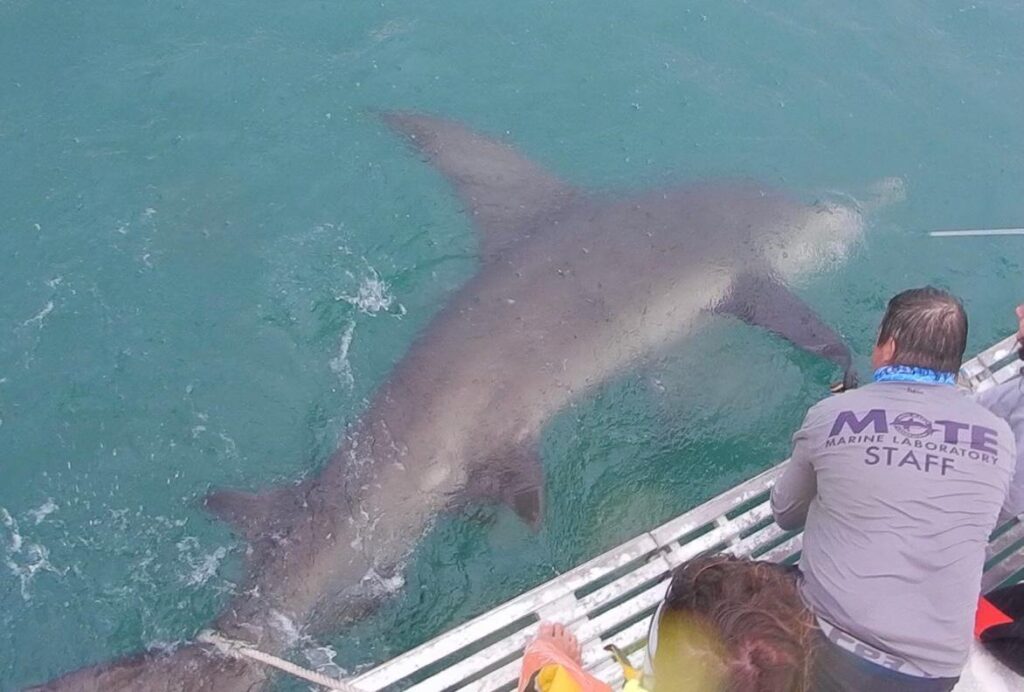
<point x="253" y="515"/>
<point x="507" y="195"/>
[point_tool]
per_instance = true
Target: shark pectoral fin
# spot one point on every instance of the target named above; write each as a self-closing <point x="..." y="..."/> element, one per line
<point x="505" y="193"/>
<point x="528" y="503"/>
<point x="763" y="301"/>
<point x="523" y="486"/>
<point x="515" y="479"/>
<point x="253" y="515"/>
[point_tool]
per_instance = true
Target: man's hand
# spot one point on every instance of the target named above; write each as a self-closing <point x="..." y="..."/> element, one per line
<point x="850" y="380"/>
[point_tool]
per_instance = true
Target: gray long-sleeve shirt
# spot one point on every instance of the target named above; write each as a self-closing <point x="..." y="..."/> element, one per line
<point x="1007" y="401"/>
<point x="898" y="486"/>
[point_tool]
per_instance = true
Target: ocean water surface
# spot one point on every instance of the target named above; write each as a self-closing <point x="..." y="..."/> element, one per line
<point x="213" y="253"/>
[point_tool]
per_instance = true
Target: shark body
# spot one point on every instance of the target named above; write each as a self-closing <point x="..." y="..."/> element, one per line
<point x="573" y="287"/>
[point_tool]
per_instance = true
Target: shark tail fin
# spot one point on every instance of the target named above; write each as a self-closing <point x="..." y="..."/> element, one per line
<point x="254" y="515"/>
<point x="506" y="194"/>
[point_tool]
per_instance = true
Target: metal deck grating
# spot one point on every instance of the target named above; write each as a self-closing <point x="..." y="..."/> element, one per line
<point x="611" y="598"/>
<point x="995" y="365"/>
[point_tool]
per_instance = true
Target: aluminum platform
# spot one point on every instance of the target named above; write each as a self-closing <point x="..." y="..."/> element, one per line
<point x="611" y="598"/>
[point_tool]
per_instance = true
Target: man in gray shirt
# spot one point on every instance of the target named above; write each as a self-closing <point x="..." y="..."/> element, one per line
<point x="1007" y="401"/>
<point x="898" y="486"/>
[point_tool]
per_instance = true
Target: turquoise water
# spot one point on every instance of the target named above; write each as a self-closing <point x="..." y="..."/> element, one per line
<point x="213" y="255"/>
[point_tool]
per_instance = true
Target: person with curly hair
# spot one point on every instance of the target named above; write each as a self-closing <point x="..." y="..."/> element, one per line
<point x="726" y="625"/>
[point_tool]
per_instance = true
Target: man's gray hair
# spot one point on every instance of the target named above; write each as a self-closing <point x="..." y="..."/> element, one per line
<point x="928" y="327"/>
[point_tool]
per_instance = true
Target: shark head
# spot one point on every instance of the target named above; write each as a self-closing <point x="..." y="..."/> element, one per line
<point x="812" y="239"/>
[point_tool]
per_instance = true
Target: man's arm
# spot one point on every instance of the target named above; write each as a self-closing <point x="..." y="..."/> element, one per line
<point x="797" y="485"/>
<point x="1007" y="401"/>
<point x="1014" y="504"/>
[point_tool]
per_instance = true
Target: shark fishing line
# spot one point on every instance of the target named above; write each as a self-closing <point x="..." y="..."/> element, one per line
<point x="983" y="232"/>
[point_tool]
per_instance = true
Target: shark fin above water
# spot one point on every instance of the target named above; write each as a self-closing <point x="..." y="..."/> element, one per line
<point x="504" y="193"/>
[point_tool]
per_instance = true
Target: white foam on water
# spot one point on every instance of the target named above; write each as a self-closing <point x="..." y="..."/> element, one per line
<point x="205" y="567"/>
<point x="188" y="544"/>
<point x="169" y="523"/>
<point x="40" y="316"/>
<point x="44" y="510"/>
<point x="286" y="626"/>
<point x="321" y="658"/>
<point x="14" y="542"/>
<point x="340" y="364"/>
<point x="200" y="566"/>
<point x="379" y="585"/>
<point x="164" y="646"/>
<point x="229" y="444"/>
<point x="36" y="559"/>
<point x="372" y="296"/>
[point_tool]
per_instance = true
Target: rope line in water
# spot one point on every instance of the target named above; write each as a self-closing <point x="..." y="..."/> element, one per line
<point x="979" y="232"/>
<point x="235" y="648"/>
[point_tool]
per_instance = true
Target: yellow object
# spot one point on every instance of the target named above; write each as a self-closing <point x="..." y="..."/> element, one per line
<point x="555" y="678"/>
<point x="632" y="675"/>
<point x="547" y="668"/>
<point x="628" y="671"/>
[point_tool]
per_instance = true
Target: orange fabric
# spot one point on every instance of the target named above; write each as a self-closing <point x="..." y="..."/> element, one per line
<point x="542" y="653"/>
<point x="988" y="616"/>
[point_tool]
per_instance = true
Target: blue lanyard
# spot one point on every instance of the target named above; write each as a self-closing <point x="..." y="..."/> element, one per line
<point x="910" y="373"/>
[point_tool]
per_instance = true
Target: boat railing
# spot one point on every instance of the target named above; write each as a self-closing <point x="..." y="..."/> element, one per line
<point x="611" y="598"/>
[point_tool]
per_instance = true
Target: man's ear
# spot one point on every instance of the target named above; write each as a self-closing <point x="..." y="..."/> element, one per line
<point x="883" y="354"/>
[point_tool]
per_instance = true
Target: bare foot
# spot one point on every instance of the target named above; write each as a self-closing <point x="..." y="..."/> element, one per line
<point x="561" y="638"/>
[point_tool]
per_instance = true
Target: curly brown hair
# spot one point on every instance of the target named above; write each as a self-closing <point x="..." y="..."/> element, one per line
<point x="733" y="625"/>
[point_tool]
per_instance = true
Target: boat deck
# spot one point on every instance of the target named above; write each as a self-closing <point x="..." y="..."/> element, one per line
<point x="611" y="598"/>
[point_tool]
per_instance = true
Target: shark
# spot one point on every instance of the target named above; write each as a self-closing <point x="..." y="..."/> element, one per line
<point x="573" y="287"/>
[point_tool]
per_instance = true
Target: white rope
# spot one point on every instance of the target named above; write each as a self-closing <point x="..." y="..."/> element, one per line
<point x="235" y="648"/>
<point x="980" y="232"/>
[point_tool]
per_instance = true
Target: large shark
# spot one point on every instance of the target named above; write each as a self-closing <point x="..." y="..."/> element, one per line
<point x="573" y="287"/>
